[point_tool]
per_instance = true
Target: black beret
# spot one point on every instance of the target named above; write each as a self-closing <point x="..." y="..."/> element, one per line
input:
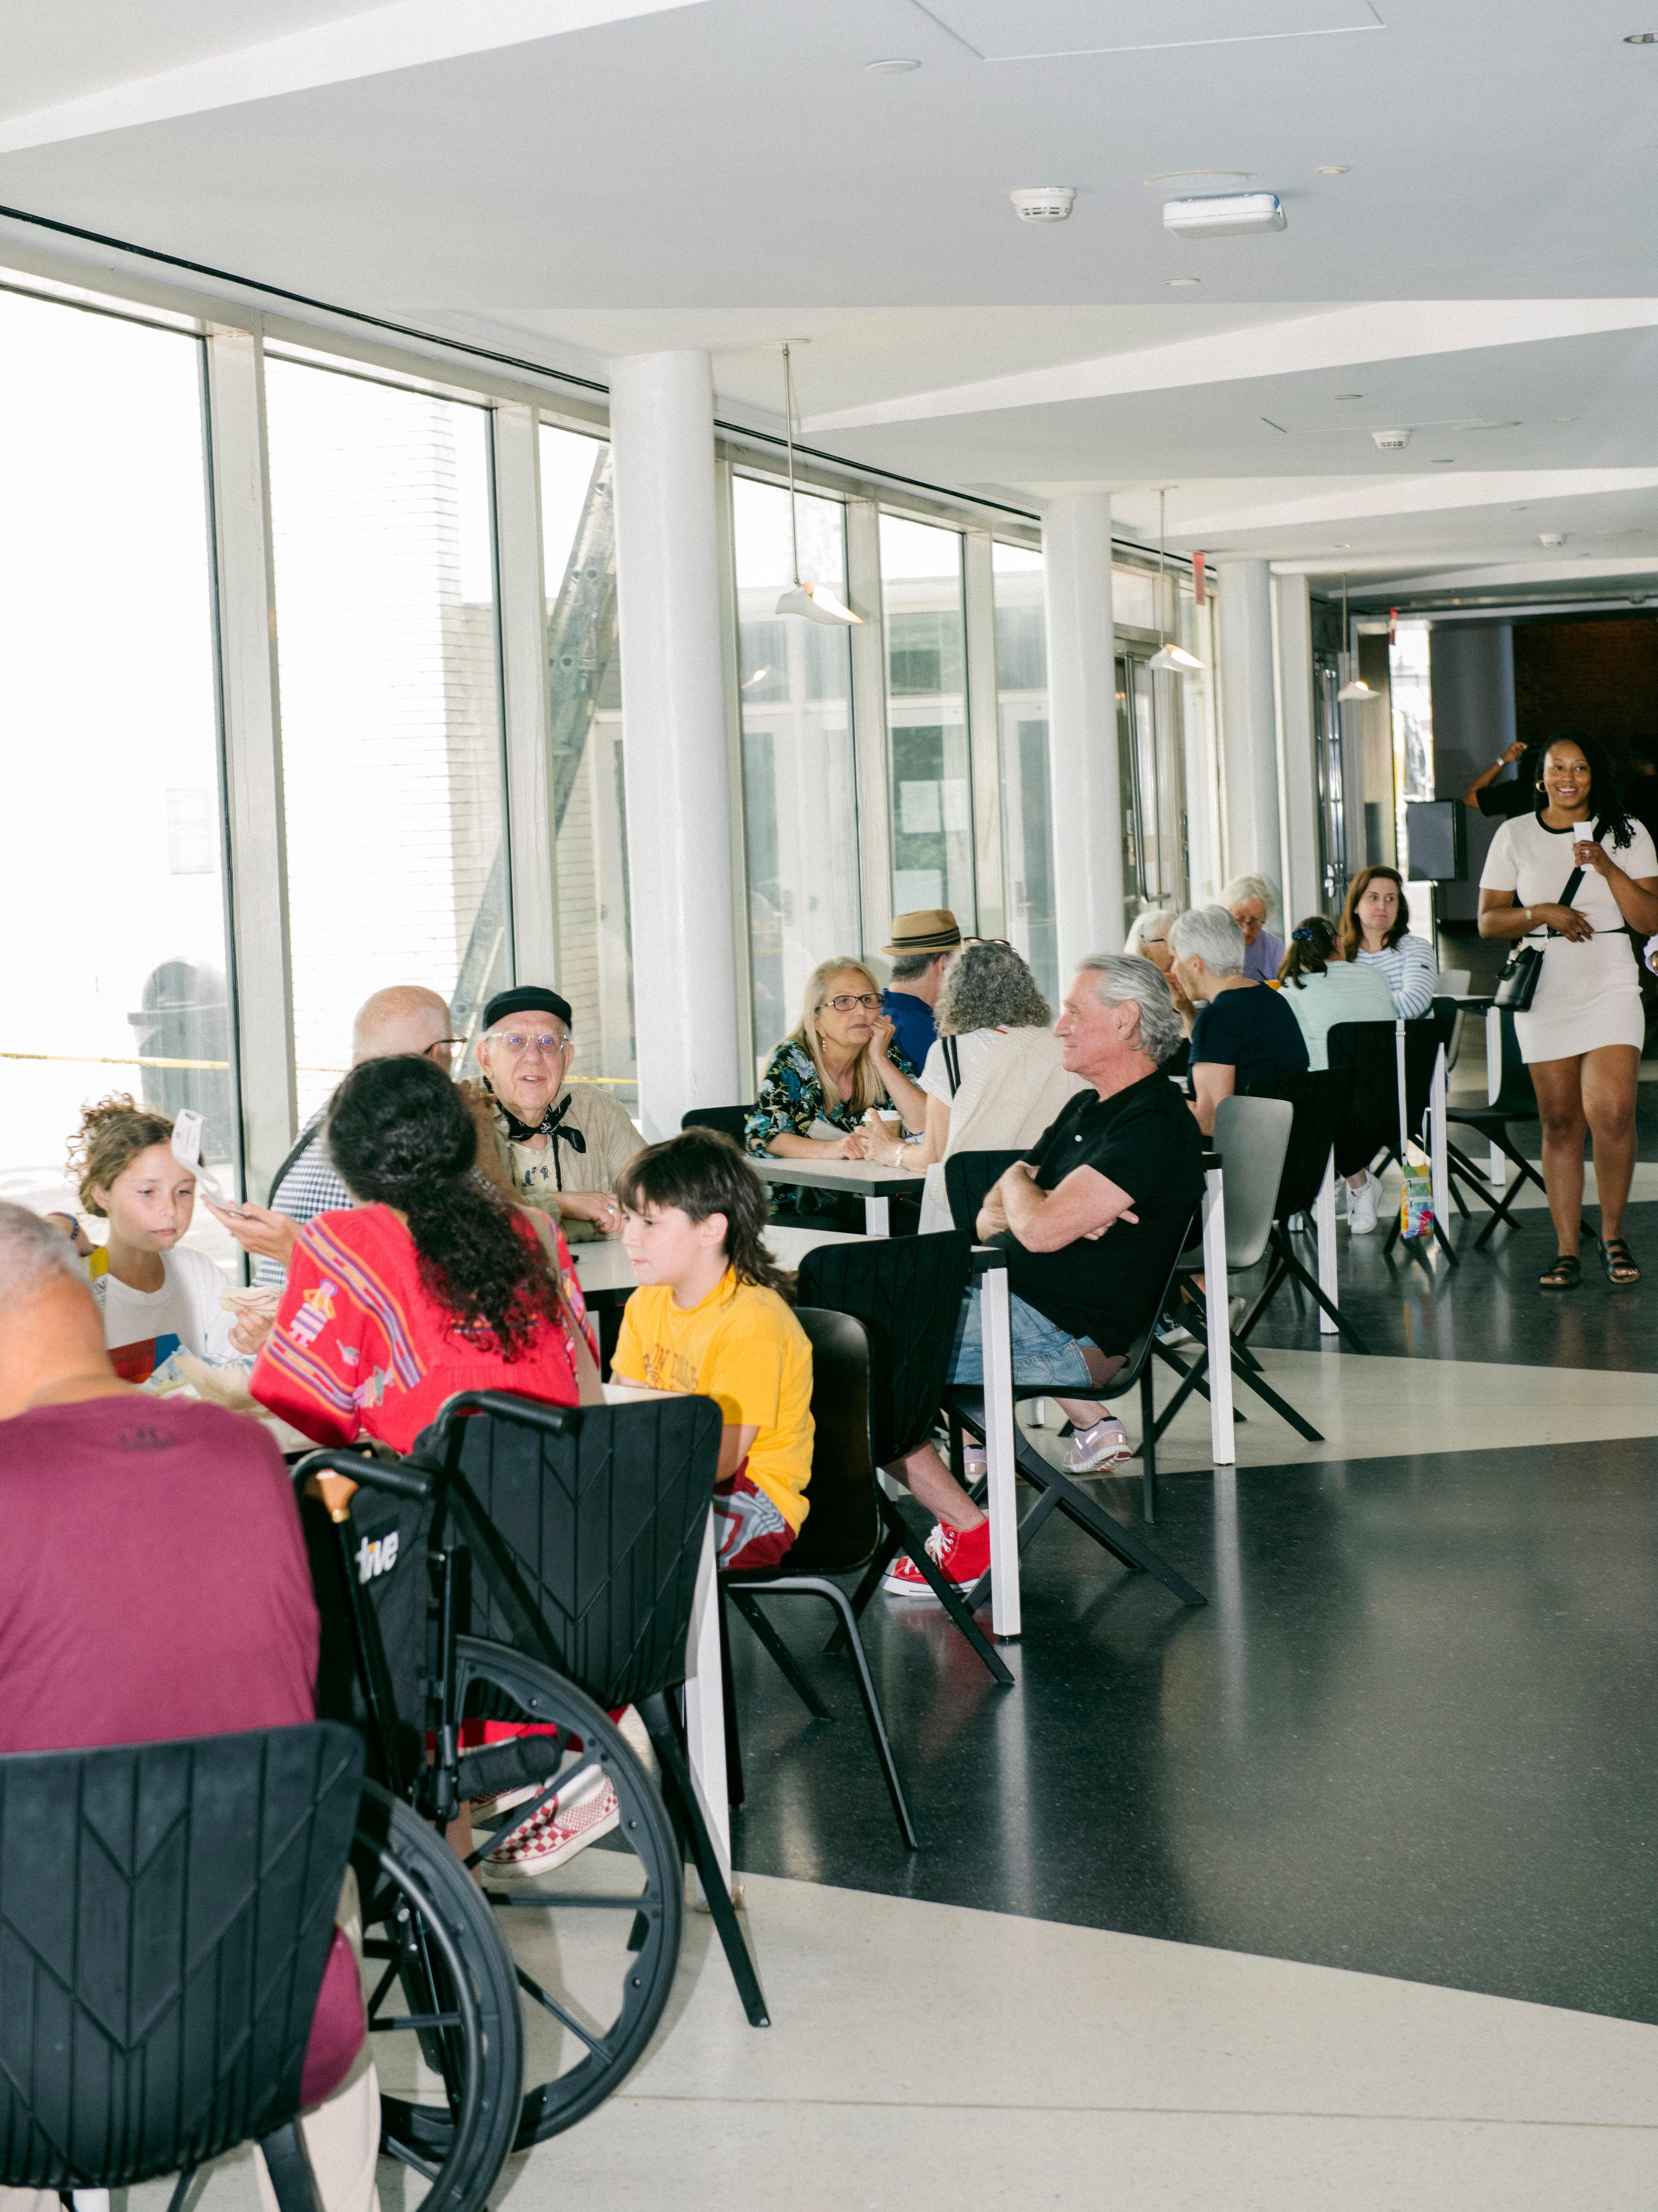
<point x="527" y="999"/>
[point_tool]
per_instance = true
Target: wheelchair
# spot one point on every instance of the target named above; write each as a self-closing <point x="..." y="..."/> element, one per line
<point x="570" y="1972"/>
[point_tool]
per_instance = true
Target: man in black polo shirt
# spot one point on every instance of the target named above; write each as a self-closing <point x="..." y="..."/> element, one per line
<point x="1123" y="1163"/>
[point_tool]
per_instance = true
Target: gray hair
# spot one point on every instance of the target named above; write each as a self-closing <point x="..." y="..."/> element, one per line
<point x="1144" y="924"/>
<point x="908" y="967"/>
<point x="1243" y="888"/>
<point x="1211" y="934"/>
<point x="1121" y="977"/>
<point x="33" y="1253"/>
<point x="986" y="985"/>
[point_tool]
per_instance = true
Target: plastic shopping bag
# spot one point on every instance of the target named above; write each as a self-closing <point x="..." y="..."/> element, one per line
<point x="1416" y="1194"/>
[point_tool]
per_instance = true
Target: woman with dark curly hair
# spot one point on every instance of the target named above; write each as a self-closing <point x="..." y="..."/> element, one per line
<point x="433" y="1284"/>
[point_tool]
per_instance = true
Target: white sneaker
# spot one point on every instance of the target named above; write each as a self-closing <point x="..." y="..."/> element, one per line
<point x="1095" y="1451"/>
<point x="1361" y="1206"/>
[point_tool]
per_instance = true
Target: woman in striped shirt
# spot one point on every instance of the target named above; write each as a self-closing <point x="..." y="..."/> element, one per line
<point x="1376" y="932"/>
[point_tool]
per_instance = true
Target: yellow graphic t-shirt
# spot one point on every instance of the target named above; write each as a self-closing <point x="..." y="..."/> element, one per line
<point x="742" y="1346"/>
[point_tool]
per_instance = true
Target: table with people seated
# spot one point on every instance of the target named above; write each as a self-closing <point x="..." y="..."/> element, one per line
<point x="865" y="1179"/>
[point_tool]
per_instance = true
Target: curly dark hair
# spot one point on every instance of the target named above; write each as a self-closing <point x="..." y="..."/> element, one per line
<point x="1606" y="791"/>
<point x="703" y="1172"/>
<point x="399" y="1133"/>
<point x="1313" y="944"/>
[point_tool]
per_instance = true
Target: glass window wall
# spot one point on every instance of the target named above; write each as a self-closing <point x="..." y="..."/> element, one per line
<point x="108" y="698"/>
<point x="799" y="782"/>
<point x="389" y="671"/>
<point x="926" y="718"/>
<point x="583" y="670"/>
<point x="1027" y="811"/>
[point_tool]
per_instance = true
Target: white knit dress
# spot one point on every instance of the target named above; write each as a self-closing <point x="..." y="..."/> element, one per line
<point x="1587" y="994"/>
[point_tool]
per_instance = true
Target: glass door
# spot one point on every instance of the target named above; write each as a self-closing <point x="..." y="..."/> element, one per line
<point x="1150" y="768"/>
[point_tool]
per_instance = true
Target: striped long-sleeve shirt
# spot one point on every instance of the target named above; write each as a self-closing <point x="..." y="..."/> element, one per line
<point x="1410" y="973"/>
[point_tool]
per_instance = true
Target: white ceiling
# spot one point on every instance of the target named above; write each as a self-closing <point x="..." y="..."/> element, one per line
<point x="580" y="179"/>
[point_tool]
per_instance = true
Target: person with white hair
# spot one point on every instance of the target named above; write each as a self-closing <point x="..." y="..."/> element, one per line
<point x="1243" y="1031"/>
<point x="403" y="1018"/>
<point x="1092" y="1219"/>
<point x="1148" y="937"/>
<point x="558" y="1146"/>
<point x="121" y="1623"/>
<point x="1249" y="900"/>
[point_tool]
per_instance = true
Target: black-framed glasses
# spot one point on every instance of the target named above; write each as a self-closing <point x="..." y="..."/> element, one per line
<point x="848" y="1000"/>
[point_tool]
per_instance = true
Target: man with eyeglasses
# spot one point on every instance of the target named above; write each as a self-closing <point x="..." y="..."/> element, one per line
<point x="404" y="1018"/>
<point x="560" y="1146"/>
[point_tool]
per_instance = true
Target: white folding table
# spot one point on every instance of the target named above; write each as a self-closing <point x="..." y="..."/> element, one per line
<point x="865" y="1179"/>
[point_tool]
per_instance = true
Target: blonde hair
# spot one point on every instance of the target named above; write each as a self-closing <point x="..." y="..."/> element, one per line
<point x="110" y="1136"/>
<point x="867" y="1088"/>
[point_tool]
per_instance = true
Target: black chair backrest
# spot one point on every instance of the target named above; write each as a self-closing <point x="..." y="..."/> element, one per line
<point x="907" y="1292"/>
<point x="599" y="1512"/>
<point x="844" y="1523"/>
<point x="1517" y="1095"/>
<point x="1319" y="1097"/>
<point x="970" y="1178"/>
<point x="168" y="1910"/>
<point x="730" y="1120"/>
<point x="1369" y="1048"/>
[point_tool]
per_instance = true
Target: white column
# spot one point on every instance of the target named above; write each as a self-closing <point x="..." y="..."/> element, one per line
<point x="1303" y="886"/>
<point x="531" y="835"/>
<point x="1082" y="728"/>
<point x="678" y="784"/>
<point x="1249" y="721"/>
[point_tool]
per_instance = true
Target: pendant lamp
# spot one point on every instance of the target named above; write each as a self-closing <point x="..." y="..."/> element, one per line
<point x="1174" y="658"/>
<point x="1354" y="690"/>
<point x="815" y="601"/>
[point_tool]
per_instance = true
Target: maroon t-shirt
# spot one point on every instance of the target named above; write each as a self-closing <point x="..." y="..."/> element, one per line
<point x="154" y="1585"/>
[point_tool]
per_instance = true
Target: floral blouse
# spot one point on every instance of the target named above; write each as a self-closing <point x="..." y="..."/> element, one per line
<point x="792" y="1098"/>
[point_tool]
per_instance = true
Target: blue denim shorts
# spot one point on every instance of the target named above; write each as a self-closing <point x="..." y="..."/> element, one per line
<point x="1041" y="1352"/>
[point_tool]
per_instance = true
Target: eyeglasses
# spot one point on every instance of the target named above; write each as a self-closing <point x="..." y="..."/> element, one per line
<point x="848" y="1000"/>
<point x="442" y="1044"/>
<point x="1005" y="943"/>
<point x="517" y="1045"/>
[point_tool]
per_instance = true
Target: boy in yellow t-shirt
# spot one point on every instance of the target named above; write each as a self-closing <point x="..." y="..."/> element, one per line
<point x="707" y="1317"/>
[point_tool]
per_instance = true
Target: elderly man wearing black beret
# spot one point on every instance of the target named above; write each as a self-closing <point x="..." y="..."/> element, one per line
<point x="561" y="1147"/>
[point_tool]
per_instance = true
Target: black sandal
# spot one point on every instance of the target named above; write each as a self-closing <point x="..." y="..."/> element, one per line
<point x="1619" y="1262"/>
<point x="1565" y="1274"/>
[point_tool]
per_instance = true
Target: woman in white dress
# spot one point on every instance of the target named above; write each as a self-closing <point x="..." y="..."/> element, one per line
<point x="1582" y="1036"/>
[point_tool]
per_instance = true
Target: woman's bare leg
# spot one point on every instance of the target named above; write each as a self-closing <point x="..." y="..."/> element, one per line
<point x="1559" y="1085"/>
<point x="1610" y="1080"/>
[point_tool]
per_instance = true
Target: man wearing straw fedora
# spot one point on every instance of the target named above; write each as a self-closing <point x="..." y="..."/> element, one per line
<point x="921" y="945"/>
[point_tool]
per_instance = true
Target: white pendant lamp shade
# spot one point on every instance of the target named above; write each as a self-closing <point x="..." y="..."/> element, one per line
<point x="1354" y="690"/>
<point x="1357" y="689"/>
<point x="1173" y="659"/>
<point x="816" y="603"/>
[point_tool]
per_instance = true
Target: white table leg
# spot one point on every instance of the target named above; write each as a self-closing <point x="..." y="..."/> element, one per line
<point x="1499" y="1164"/>
<point x="1221" y="1445"/>
<point x="1324" y="1213"/>
<point x="705" y="1706"/>
<point x="996" y="1338"/>
<point x="876" y="1220"/>
<point x="1438" y="1157"/>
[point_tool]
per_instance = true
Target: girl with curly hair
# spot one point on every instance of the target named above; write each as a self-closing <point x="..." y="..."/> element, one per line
<point x="432" y="1283"/>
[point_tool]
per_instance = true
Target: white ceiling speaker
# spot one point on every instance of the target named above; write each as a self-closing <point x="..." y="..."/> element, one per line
<point x="1392" y="441"/>
<point x="1550" y="537"/>
<point x="1224" y="215"/>
<point x="1043" y="203"/>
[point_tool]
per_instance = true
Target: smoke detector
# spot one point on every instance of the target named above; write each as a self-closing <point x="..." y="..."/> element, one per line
<point x="1550" y="537"/>
<point x="1224" y="215"/>
<point x="1392" y="441"/>
<point x="1043" y="203"/>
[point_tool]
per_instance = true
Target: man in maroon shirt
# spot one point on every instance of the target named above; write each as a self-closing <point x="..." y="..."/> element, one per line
<point x="154" y="1585"/>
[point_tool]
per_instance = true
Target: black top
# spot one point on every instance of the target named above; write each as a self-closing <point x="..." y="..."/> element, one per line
<point x="1144" y="1140"/>
<point x="1510" y="796"/>
<point x="1252" y="1031"/>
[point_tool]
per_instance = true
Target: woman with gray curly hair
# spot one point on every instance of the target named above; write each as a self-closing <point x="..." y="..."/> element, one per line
<point x="994" y="1079"/>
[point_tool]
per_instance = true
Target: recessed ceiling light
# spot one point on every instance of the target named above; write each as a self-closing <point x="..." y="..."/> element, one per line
<point x="1334" y="169"/>
<point x="1349" y="395"/>
<point x="1565" y="418"/>
<point x="1179" y="176"/>
<point x="1182" y="280"/>
<point x="899" y="65"/>
<point x="1341" y="545"/>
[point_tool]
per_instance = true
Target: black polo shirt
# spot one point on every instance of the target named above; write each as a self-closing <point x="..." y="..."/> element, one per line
<point x="1146" y="1139"/>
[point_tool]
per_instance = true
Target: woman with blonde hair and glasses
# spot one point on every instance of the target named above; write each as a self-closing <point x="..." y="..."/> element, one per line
<point x="839" y="1061"/>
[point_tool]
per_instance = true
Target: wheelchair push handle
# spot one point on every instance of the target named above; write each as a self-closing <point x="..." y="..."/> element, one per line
<point x="335" y="1477"/>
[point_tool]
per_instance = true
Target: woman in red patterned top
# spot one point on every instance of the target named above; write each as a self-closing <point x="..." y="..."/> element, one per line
<point x="433" y="1284"/>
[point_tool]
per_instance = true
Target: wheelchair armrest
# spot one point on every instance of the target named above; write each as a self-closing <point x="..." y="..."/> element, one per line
<point x="357" y="1467"/>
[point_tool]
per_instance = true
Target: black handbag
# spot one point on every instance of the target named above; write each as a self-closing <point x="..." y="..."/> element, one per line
<point x="1516" y="987"/>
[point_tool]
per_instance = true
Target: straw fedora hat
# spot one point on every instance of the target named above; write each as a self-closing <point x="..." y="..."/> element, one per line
<point x="930" y="929"/>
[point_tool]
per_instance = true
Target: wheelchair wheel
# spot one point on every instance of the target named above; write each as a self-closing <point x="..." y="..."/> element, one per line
<point x="442" y="2007"/>
<point x="595" y="1940"/>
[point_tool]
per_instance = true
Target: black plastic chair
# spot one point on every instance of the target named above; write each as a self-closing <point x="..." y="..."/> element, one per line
<point x="968" y="1178"/>
<point x="840" y="1531"/>
<point x="1319" y="1097"/>
<point x="1370" y="1130"/>
<point x="730" y="1121"/>
<point x="585" y="1525"/>
<point x="1515" y="1101"/>
<point x="168" y="1910"/>
<point x="908" y="1294"/>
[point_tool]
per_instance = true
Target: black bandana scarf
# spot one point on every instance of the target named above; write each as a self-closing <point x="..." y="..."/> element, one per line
<point x="550" y="1125"/>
